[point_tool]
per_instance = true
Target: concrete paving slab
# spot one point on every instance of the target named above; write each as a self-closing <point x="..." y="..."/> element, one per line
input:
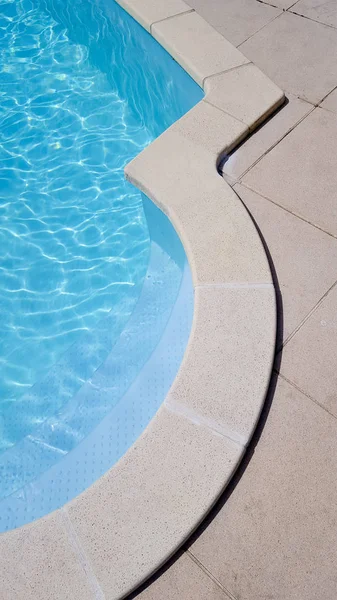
<point x="275" y="537"/>
<point x="306" y="270"/>
<point x="284" y="4"/>
<point x="324" y="12"/>
<point x="300" y="172"/>
<point x="236" y="20"/>
<point x="310" y="357"/>
<point x="285" y="51"/>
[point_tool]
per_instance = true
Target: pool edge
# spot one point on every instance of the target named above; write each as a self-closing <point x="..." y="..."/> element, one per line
<point x="126" y="525"/>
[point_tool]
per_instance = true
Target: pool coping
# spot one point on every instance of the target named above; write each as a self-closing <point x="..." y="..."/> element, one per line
<point x="112" y="537"/>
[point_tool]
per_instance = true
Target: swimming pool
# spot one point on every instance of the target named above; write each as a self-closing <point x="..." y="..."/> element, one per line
<point x="96" y="298"/>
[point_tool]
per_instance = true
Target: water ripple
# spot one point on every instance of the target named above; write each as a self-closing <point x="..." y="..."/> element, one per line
<point x="72" y="231"/>
<point x="74" y="108"/>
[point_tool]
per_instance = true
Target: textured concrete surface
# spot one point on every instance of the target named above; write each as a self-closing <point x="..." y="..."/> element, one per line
<point x="310" y="360"/>
<point x="238" y="92"/>
<point x="236" y="20"/>
<point x="229" y="398"/>
<point x="297" y="54"/>
<point x="323" y="12"/>
<point x="208" y="126"/>
<point x="197" y="46"/>
<point x="300" y="173"/>
<point x="190" y="192"/>
<point x="272" y="536"/>
<point x="32" y="559"/>
<point x="330" y="102"/>
<point x="184" y="581"/>
<point x="284" y="4"/>
<point x="307" y="267"/>
<point x="169" y="476"/>
<point x="275" y="537"/>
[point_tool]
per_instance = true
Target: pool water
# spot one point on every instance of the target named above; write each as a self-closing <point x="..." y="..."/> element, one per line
<point x="84" y="272"/>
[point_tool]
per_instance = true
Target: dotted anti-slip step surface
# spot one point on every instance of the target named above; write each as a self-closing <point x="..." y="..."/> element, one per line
<point x="72" y="449"/>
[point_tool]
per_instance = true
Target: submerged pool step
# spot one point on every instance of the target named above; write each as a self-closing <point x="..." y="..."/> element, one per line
<point x="157" y="359"/>
<point x="60" y="433"/>
<point x="38" y="443"/>
<point x="47" y="397"/>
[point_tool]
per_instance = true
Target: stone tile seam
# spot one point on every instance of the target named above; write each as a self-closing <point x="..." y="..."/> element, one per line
<point x="308" y="316"/>
<point x="270" y="4"/>
<point x="239" y="178"/>
<point x="304" y="99"/>
<point x="325" y="97"/>
<point x="178" y="14"/>
<point x="274" y="5"/>
<point x="196" y="418"/>
<point x="245" y="134"/>
<point x="292" y="12"/>
<point x="205" y="79"/>
<point x="81" y="555"/>
<point x="308" y="396"/>
<point x="291" y="6"/>
<point x="245" y="60"/>
<point x="263" y="26"/>
<point x="209" y="574"/>
<point x="298" y="216"/>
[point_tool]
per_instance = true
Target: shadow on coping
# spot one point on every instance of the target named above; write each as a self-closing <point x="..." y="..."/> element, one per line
<point x="255" y="438"/>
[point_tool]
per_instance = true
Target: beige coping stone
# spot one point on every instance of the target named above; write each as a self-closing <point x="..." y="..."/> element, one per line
<point x="226" y="369"/>
<point x="218" y="234"/>
<point x="245" y="93"/>
<point x="147" y="12"/>
<point x="197" y="46"/>
<point x="38" y="562"/>
<point x="211" y="129"/>
<point x="134" y="518"/>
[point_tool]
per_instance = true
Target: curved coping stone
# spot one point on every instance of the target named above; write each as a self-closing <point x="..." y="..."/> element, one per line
<point x="119" y="531"/>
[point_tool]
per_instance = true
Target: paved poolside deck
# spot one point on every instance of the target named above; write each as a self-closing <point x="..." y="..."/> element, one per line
<point x="273" y="535"/>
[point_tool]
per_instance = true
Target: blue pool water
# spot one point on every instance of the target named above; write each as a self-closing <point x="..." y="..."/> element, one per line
<point x="95" y="292"/>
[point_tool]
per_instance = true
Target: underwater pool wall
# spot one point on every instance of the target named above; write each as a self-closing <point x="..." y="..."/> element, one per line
<point x="114" y="535"/>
